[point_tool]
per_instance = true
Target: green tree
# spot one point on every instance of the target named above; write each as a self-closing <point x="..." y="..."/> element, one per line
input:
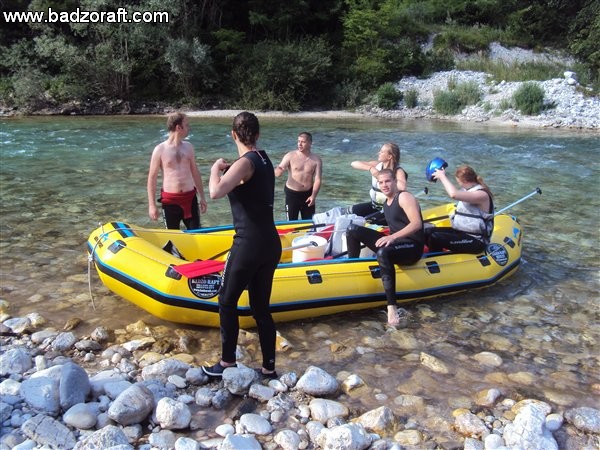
<point x="280" y="76"/>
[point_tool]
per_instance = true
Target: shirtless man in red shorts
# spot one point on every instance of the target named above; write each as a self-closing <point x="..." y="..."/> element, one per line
<point x="181" y="180"/>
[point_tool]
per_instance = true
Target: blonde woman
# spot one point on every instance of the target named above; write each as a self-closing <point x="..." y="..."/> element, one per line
<point x="388" y="157"/>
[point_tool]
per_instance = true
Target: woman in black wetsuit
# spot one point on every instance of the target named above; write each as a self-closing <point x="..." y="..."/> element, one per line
<point x="249" y="183"/>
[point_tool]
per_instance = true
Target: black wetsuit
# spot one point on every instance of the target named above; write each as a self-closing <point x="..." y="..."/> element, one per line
<point x="404" y="251"/>
<point x="254" y="255"/>
<point x="295" y="203"/>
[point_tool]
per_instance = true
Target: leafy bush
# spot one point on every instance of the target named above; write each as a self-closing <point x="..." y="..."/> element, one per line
<point x="447" y="102"/>
<point x="411" y="98"/>
<point x="529" y="99"/>
<point x="468" y="93"/>
<point x="456" y="97"/>
<point x="387" y="96"/>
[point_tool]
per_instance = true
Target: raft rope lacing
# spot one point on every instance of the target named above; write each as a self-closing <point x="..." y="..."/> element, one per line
<point x="104" y="234"/>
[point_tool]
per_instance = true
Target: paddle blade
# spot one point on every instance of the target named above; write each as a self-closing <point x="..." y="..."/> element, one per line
<point x="199" y="268"/>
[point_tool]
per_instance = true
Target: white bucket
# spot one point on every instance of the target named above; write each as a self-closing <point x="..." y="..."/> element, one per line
<point x="310" y="251"/>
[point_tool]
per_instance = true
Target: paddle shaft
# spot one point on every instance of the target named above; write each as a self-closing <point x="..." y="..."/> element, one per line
<point x="537" y="191"/>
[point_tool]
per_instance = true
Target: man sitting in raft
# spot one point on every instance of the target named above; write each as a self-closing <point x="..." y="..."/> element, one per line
<point x="403" y="245"/>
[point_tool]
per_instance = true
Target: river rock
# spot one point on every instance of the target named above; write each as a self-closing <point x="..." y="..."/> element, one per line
<point x="528" y="431"/>
<point x="162" y="439"/>
<point x="108" y="437"/>
<point x="237" y="442"/>
<point x="74" y="385"/>
<point x="468" y="424"/>
<point x="41" y="394"/>
<point x="350" y="436"/>
<point x="433" y="363"/>
<point x="163" y="369"/>
<point x="288" y="440"/>
<point x="132" y="406"/>
<point x="238" y="379"/>
<point x="380" y="420"/>
<point x="261" y="393"/>
<point x="48" y="431"/>
<point x="323" y="410"/>
<point x="254" y="424"/>
<point x="585" y="419"/>
<point x="19" y="325"/>
<point x="172" y="415"/>
<point x="15" y="361"/>
<point x="64" y="341"/>
<point x="82" y="416"/>
<point x="317" y="382"/>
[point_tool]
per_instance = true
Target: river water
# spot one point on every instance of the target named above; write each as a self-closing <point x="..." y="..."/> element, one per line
<point x="61" y="177"/>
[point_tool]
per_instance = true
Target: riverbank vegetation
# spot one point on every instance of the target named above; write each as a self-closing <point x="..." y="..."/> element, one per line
<point x="293" y="55"/>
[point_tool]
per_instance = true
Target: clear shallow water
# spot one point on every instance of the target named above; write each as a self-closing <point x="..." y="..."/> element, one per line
<point x="60" y="177"/>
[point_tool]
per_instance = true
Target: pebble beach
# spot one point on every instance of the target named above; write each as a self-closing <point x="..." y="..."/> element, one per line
<point x="142" y="387"/>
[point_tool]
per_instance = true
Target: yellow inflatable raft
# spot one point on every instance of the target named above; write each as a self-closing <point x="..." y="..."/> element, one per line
<point x="176" y="275"/>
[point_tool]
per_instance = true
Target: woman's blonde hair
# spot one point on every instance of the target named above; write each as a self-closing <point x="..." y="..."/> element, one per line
<point x="395" y="152"/>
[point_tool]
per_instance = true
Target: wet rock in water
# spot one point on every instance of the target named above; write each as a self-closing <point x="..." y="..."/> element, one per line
<point x="488" y="359"/>
<point x="352" y="382"/>
<point x="72" y="323"/>
<point x="433" y="363"/>
<point x="380" y="420"/>
<point x="487" y="397"/>
<point x="468" y="424"/>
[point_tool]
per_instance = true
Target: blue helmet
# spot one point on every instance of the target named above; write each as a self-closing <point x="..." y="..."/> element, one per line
<point x="432" y="166"/>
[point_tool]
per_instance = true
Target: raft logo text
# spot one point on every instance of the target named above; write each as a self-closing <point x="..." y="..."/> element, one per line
<point x="121" y="15"/>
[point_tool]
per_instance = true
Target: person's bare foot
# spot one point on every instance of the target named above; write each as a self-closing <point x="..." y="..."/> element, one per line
<point x="396" y="316"/>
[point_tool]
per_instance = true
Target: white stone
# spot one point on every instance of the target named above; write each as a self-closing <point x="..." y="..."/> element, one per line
<point x="173" y="415"/>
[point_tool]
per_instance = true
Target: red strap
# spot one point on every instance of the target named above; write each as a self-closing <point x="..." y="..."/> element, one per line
<point x="199" y="268"/>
